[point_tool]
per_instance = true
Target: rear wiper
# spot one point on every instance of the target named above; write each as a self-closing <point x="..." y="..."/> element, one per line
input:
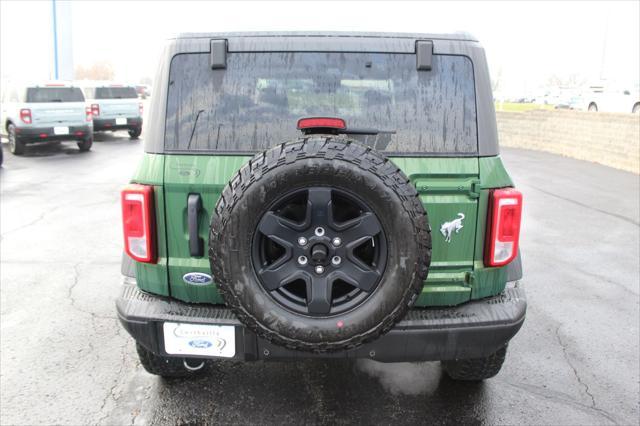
<point x="56" y="100"/>
<point x="193" y="130"/>
<point x="356" y="131"/>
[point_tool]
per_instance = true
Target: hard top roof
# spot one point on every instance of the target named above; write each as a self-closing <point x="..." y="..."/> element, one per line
<point x="457" y="35"/>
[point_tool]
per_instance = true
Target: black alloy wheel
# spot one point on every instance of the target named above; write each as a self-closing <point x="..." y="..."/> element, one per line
<point x="319" y="251"/>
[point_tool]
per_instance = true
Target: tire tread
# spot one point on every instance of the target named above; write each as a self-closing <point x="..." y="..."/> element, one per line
<point x="476" y="369"/>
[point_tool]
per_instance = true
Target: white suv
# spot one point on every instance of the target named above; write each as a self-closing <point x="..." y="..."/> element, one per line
<point x="45" y="112"/>
<point x="114" y="107"/>
<point x="614" y="100"/>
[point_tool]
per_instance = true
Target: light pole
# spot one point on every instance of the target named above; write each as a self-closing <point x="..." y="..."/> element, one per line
<point x="62" y="21"/>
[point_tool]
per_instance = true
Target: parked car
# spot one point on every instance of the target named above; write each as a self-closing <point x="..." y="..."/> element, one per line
<point x="613" y="100"/>
<point x="569" y="100"/>
<point x="114" y="107"/>
<point x="38" y="113"/>
<point x="280" y="209"/>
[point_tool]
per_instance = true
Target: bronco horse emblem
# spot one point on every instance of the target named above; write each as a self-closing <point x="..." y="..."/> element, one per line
<point x="448" y="228"/>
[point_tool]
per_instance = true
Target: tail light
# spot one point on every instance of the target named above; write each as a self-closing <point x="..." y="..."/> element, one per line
<point x="138" y="222"/>
<point x="88" y="114"/>
<point x="25" y="115"/>
<point x="95" y="110"/>
<point x="140" y="108"/>
<point x="505" y="214"/>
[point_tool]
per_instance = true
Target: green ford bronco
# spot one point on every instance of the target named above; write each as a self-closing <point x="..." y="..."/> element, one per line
<point x="322" y="195"/>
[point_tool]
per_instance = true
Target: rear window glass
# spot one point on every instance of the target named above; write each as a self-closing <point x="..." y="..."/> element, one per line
<point x="115" y="93"/>
<point x="54" y="94"/>
<point x="256" y="101"/>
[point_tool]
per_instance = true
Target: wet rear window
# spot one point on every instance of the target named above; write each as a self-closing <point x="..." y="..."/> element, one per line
<point x="54" y="94"/>
<point x="115" y="93"/>
<point x="257" y="100"/>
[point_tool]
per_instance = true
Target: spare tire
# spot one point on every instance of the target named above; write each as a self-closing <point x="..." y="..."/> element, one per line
<point x="320" y="244"/>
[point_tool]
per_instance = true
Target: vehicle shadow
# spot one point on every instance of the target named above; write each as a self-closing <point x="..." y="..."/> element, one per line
<point x="119" y="136"/>
<point x="320" y="392"/>
<point x="49" y="149"/>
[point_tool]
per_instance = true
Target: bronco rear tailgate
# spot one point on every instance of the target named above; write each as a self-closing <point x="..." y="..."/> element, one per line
<point x="449" y="190"/>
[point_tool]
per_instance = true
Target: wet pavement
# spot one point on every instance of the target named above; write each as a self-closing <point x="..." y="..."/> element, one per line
<point x="65" y="359"/>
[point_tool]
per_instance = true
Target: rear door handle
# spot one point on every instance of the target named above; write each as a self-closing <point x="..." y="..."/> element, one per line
<point x="194" y="205"/>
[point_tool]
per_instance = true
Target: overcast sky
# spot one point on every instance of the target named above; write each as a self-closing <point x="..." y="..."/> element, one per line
<point x="526" y="42"/>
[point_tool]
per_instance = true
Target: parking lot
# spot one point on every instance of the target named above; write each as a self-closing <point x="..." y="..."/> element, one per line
<point x="66" y="360"/>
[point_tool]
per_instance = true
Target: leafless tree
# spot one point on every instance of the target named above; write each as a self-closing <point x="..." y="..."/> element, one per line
<point x="98" y="71"/>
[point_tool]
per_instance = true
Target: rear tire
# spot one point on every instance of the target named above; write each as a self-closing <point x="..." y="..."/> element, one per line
<point x="476" y="369"/>
<point x="135" y="133"/>
<point x="85" y="145"/>
<point x="636" y="108"/>
<point x="16" y="146"/>
<point x="593" y="107"/>
<point x="170" y="367"/>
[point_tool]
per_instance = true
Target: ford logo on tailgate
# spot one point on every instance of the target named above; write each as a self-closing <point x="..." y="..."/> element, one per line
<point x="197" y="278"/>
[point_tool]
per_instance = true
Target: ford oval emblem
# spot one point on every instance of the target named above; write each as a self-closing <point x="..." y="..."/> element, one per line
<point x="197" y="278"/>
<point x="200" y="344"/>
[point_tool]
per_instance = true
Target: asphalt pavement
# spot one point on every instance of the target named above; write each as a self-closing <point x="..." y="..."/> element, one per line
<point x="64" y="358"/>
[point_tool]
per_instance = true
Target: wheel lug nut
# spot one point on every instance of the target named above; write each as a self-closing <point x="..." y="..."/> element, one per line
<point x="319" y="269"/>
<point x="302" y="241"/>
<point x="302" y="260"/>
<point x="336" y="241"/>
<point x="336" y="260"/>
<point x="319" y="231"/>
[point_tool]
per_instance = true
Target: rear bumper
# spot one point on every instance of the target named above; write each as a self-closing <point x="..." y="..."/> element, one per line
<point x="100" y="124"/>
<point x="45" y="134"/>
<point x="475" y="329"/>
